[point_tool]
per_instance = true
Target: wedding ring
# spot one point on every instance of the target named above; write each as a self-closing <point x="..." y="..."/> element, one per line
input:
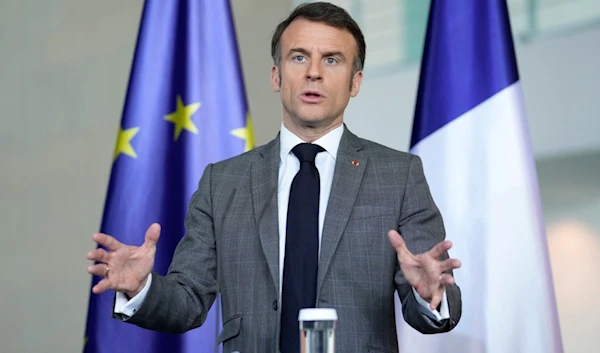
<point x="106" y="272"/>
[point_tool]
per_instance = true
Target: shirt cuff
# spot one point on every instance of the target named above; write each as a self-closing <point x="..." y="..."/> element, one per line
<point x="443" y="313"/>
<point x="127" y="307"/>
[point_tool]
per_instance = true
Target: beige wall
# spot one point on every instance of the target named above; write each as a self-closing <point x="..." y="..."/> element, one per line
<point x="570" y="188"/>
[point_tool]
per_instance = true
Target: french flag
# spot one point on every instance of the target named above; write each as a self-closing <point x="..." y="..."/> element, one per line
<point x="471" y="132"/>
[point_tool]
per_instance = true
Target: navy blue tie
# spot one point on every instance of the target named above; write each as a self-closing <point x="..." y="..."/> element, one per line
<point x="301" y="247"/>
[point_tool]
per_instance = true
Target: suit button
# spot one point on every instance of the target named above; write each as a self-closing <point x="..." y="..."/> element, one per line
<point x="275" y="305"/>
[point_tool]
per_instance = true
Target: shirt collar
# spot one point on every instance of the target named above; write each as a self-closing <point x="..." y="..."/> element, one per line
<point x="330" y="142"/>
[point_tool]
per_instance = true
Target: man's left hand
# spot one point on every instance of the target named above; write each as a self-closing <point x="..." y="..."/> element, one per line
<point x="425" y="272"/>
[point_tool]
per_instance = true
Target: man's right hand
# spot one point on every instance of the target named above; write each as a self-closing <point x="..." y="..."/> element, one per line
<point x="125" y="268"/>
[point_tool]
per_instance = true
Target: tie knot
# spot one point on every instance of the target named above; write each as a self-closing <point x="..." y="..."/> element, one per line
<point x="306" y="152"/>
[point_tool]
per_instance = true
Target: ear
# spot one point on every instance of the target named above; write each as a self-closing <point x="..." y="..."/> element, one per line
<point x="356" y="82"/>
<point x="275" y="80"/>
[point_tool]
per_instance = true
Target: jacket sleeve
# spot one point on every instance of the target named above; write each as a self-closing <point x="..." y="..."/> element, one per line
<point x="422" y="227"/>
<point x="181" y="300"/>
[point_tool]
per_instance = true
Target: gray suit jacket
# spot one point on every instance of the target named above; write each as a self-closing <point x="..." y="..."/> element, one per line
<point x="232" y="247"/>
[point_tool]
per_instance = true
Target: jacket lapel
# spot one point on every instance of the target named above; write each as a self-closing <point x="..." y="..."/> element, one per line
<point x="264" y="177"/>
<point x="349" y="170"/>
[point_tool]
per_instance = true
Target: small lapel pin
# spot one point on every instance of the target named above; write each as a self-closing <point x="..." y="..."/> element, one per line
<point x="355" y="163"/>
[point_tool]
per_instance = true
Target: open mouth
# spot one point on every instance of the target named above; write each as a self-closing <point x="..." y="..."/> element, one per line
<point x="312" y="96"/>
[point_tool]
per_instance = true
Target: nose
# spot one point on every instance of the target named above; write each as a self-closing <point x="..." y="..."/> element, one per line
<point x="314" y="71"/>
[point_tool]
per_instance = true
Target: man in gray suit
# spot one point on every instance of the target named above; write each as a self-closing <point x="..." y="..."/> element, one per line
<point x="243" y="221"/>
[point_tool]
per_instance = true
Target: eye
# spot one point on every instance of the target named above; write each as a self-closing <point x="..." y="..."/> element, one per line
<point x="298" y="58"/>
<point x="331" y="61"/>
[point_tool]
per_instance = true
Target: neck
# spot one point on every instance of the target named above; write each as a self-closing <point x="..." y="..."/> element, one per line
<point x="310" y="133"/>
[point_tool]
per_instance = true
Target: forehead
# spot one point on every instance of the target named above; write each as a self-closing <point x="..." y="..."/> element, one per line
<point x="309" y="35"/>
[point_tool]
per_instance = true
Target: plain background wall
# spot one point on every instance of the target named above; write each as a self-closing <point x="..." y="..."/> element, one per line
<point x="570" y="188"/>
<point x="63" y="73"/>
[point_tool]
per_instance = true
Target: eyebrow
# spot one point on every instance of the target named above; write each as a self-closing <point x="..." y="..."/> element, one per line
<point x="305" y="52"/>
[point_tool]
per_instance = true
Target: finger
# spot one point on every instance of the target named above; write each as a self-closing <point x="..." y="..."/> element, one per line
<point x="440" y="249"/>
<point x="449" y="264"/>
<point x="436" y="299"/>
<point x="398" y="243"/>
<point x="152" y="235"/>
<point x="101" y="287"/>
<point x="98" y="255"/>
<point x="97" y="269"/>
<point x="447" y="279"/>
<point x="107" y="241"/>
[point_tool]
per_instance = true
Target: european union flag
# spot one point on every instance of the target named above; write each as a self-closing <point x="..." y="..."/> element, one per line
<point x="185" y="107"/>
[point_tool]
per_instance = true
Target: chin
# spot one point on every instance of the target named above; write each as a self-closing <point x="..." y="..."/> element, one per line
<point x="312" y="117"/>
<point x="311" y="120"/>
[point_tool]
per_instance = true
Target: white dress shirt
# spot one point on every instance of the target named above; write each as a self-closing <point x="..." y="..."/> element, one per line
<point x="288" y="168"/>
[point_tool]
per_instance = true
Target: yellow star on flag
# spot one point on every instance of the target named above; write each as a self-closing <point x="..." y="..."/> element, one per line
<point x="124" y="143"/>
<point x="246" y="133"/>
<point x="182" y="118"/>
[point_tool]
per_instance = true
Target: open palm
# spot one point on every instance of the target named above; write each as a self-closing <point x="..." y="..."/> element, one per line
<point x="425" y="272"/>
<point x="125" y="268"/>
